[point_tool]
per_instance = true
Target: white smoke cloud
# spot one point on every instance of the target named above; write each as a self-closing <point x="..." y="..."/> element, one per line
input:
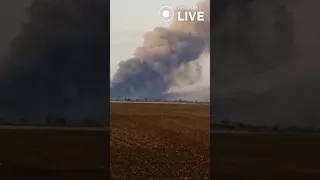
<point x="169" y="59"/>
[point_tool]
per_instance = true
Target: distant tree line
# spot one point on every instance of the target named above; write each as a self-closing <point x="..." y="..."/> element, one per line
<point x="158" y="100"/>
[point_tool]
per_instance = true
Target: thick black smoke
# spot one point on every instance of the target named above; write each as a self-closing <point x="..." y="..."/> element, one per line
<point x="266" y="62"/>
<point x="150" y="72"/>
<point x="58" y="62"/>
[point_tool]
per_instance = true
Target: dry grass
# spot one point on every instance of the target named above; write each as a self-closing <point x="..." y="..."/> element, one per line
<point x="265" y="156"/>
<point x="159" y="141"/>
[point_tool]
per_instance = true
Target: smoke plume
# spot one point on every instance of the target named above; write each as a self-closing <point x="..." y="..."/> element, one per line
<point x="266" y="62"/>
<point x="58" y="61"/>
<point x="154" y="68"/>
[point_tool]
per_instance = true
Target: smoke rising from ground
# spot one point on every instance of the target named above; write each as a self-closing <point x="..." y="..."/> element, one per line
<point x="266" y="62"/>
<point x="165" y="51"/>
<point x="57" y="63"/>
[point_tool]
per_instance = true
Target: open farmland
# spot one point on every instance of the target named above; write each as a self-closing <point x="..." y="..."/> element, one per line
<point x="53" y="153"/>
<point x="263" y="156"/>
<point x="159" y="141"/>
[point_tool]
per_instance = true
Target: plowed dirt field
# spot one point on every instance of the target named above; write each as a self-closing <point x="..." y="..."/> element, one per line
<point x="159" y="141"/>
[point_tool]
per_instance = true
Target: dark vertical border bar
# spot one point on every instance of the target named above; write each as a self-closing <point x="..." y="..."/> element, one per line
<point x="212" y="17"/>
<point x="44" y="132"/>
<point x="218" y="7"/>
<point x="108" y="98"/>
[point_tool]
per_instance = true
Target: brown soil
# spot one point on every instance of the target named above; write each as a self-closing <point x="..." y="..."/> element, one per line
<point x="159" y="141"/>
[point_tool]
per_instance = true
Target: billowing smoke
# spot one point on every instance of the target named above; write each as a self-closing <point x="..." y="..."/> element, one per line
<point x="165" y="53"/>
<point x="57" y="63"/>
<point x="266" y="62"/>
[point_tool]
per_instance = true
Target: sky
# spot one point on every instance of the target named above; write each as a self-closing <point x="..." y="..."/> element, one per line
<point x="130" y="20"/>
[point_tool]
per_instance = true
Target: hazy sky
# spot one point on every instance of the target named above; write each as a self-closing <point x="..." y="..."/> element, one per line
<point x="130" y="20"/>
